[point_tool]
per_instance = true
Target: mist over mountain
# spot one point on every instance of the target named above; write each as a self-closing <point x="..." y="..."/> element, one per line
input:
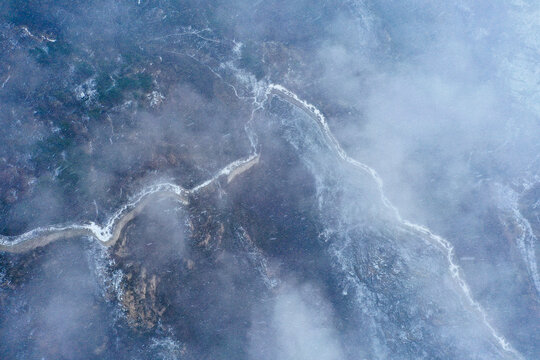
<point x="269" y="179"/>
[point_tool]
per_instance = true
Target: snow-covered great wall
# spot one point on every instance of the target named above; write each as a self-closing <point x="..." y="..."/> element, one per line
<point x="445" y="246"/>
<point x="108" y="233"/>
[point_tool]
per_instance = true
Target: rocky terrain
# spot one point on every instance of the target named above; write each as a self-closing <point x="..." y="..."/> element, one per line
<point x="268" y="180"/>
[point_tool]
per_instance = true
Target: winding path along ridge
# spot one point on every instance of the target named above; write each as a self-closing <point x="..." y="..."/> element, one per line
<point x="109" y="233"/>
<point x="443" y="244"/>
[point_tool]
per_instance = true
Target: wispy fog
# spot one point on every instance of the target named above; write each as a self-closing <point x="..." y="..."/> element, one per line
<point x="298" y="323"/>
<point x="392" y="211"/>
<point x="442" y="101"/>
